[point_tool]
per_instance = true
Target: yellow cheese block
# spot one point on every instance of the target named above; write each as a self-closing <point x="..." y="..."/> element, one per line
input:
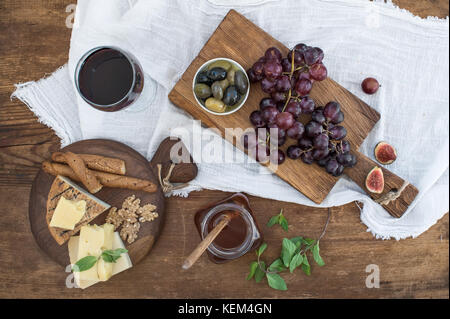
<point x="68" y="213"/>
<point x="102" y="270"/>
<point x="93" y="240"/>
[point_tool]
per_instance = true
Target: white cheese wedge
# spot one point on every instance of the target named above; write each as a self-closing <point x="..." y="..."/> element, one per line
<point x="103" y="270"/>
<point x="68" y="213"/>
<point x="124" y="262"/>
<point x="73" y="255"/>
<point x="93" y="240"/>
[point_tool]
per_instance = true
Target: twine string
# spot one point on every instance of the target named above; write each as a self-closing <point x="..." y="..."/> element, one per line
<point x="391" y="195"/>
<point x="166" y="185"/>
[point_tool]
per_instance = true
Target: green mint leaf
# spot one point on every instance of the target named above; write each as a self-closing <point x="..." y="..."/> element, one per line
<point x="261" y="249"/>
<point x="84" y="263"/>
<point x="253" y="267"/>
<point x="276" y="282"/>
<point x="316" y="255"/>
<point x="116" y="252"/>
<point x="259" y="273"/>
<point x="284" y="223"/>
<point x="287" y="251"/>
<point x="305" y="266"/>
<point x="297" y="241"/>
<point x="296" y="261"/>
<point x="277" y="265"/>
<point x="110" y="256"/>
<point x="274" y="220"/>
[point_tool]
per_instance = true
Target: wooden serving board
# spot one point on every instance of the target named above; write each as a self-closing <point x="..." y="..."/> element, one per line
<point x="239" y="39"/>
<point x="136" y="165"/>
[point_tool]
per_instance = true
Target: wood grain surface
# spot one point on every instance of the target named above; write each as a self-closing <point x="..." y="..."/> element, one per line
<point x="34" y="41"/>
<point x="136" y="165"/>
<point x="229" y="41"/>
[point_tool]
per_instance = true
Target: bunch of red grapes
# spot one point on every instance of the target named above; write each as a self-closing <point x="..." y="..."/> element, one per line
<point x="288" y="81"/>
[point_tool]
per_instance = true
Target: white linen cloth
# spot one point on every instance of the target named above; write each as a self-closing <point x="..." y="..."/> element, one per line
<point x="408" y="55"/>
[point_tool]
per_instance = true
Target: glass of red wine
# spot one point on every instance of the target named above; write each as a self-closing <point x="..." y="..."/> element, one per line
<point x="108" y="78"/>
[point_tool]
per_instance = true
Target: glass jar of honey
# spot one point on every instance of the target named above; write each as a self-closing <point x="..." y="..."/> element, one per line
<point x="239" y="237"/>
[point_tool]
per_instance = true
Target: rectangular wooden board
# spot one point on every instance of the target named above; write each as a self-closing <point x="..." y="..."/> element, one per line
<point x="239" y="39"/>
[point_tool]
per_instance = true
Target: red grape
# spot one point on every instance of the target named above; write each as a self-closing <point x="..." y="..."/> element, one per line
<point x="370" y="85"/>
<point x="298" y="57"/>
<point x="307" y="157"/>
<point x="252" y="76"/>
<point x="300" y="47"/>
<point x="338" y="118"/>
<point x="307" y="105"/>
<point x="338" y="132"/>
<point x="303" y="87"/>
<point x="277" y="157"/>
<point x="278" y="97"/>
<point x="331" y="110"/>
<point x="294" y="152"/>
<point x="318" y="72"/>
<point x="256" y="119"/>
<point x="319" y="154"/>
<point x="272" y="69"/>
<point x="285" y="120"/>
<point x="269" y="114"/>
<point x="313" y="129"/>
<point x="321" y="141"/>
<point x="286" y="64"/>
<point x="272" y="54"/>
<point x="317" y="115"/>
<point x="283" y="84"/>
<point x="312" y="55"/>
<point x="305" y="143"/>
<point x="293" y="107"/>
<point x="258" y="68"/>
<point x="249" y="140"/>
<point x="266" y="102"/>
<point x="267" y="85"/>
<point x="274" y="130"/>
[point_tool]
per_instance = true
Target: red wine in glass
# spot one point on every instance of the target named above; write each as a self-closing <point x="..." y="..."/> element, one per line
<point x="109" y="79"/>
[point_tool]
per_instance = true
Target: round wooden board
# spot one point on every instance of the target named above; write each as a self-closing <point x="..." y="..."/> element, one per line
<point x="136" y="165"/>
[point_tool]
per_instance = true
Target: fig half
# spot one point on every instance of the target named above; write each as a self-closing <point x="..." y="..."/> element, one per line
<point x="375" y="180"/>
<point x="385" y="153"/>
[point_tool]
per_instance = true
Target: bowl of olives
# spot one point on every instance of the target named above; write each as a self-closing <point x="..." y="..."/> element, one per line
<point x="221" y="86"/>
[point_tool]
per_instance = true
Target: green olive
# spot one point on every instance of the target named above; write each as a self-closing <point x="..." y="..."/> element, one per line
<point x="220" y="64"/>
<point x="202" y="91"/>
<point x="215" y="105"/>
<point x="230" y="76"/>
<point x="217" y="90"/>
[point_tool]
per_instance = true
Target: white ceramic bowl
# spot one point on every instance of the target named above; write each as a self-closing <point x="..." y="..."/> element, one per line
<point x="235" y="108"/>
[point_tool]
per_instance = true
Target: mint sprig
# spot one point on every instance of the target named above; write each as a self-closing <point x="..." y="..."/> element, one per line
<point x="293" y="255"/>
<point x="280" y="220"/>
<point x="109" y="256"/>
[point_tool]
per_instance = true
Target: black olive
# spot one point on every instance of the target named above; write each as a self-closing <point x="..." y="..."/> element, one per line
<point x="231" y="95"/>
<point x="202" y="77"/>
<point x="217" y="74"/>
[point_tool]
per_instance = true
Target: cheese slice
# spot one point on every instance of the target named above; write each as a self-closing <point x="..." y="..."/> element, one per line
<point x="102" y="270"/>
<point x="68" y="213"/>
<point x="93" y="240"/>
<point x="124" y="262"/>
<point x="63" y="187"/>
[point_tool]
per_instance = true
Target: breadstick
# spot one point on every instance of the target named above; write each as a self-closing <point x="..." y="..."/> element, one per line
<point x="107" y="179"/>
<point x="96" y="162"/>
<point x="88" y="179"/>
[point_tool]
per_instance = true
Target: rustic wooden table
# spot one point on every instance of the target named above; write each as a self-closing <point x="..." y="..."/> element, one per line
<point x="34" y="41"/>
